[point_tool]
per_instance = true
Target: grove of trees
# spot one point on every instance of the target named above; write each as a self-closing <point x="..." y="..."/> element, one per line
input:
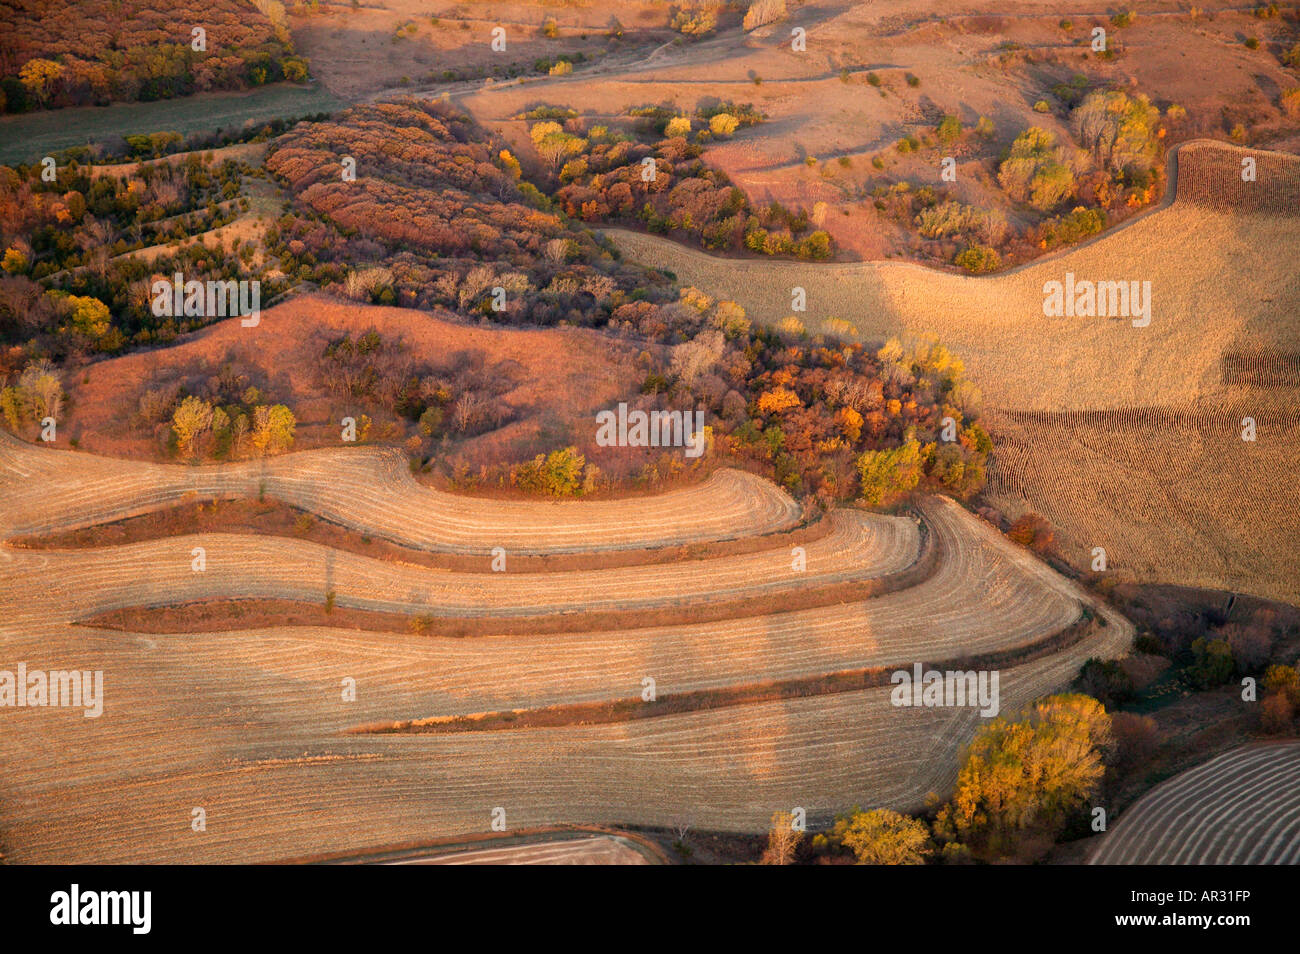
<point x="99" y="51"/>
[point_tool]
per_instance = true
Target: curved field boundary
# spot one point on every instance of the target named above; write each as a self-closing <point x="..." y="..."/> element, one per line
<point x="371" y="490"/>
<point x="985" y="595"/>
<point x="1240" y="270"/>
<point x="861" y="546"/>
<point x="271" y="518"/>
<point x="1241" y="808"/>
<point x="482" y="844"/>
<point x="250" y="723"/>
<point x="626" y="710"/>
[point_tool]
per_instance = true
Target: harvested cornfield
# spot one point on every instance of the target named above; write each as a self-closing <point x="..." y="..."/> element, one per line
<point x="371" y="490"/>
<point x="252" y="725"/>
<point x="1169" y="495"/>
<point x="1241" y="808"/>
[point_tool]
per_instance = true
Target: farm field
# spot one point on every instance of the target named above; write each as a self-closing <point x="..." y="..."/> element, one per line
<point x="592" y="850"/>
<point x="279" y="726"/>
<point x="28" y="137"/>
<point x="1242" y="807"/>
<point x="1091" y="442"/>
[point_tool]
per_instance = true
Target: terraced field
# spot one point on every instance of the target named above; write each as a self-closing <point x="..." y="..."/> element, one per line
<point x="1241" y="808"/>
<point x="251" y="724"/>
<point x="371" y="490"/>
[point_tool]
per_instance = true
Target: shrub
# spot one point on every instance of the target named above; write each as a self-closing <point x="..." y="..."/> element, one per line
<point x="1071" y="227"/>
<point x="723" y="124"/>
<point x="1283" y="679"/>
<point x="1135" y="738"/>
<point x="1276" y="712"/>
<point x="558" y="474"/>
<point x="1290" y="103"/>
<point x="884" y="474"/>
<point x="1034" y="170"/>
<point x="1213" y="665"/>
<point x="978" y="259"/>
<point x="695" y="22"/>
<point x="1033" y="531"/>
<point x="883" y="837"/>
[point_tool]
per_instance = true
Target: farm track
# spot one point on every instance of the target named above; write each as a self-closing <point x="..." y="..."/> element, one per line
<point x="251" y="726"/>
<point x="1242" y="807"/>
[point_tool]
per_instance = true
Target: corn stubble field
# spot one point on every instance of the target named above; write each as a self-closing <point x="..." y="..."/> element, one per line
<point x="1125" y="438"/>
<point x="250" y="724"/>
<point x="1242" y="807"/>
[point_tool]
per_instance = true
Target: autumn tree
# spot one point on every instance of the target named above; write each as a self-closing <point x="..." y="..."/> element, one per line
<point x="783" y="840"/>
<point x="273" y="428"/>
<point x="1035" y="170"/>
<point x="885" y="837"/>
<point x="1023" y="778"/>
<point x="1118" y="129"/>
<point x="38" y="77"/>
<point x="190" y="420"/>
<point x="558" y="474"/>
<point x="889" y="472"/>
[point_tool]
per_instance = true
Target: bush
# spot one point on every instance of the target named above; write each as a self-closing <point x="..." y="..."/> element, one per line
<point x="1283" y="679"/>
<point x="883" y="837"/>
<point x="1034" y="170"/>
<point x="723" y="124"/>
<point x="1035" y="532"/>
<point x="1071" y="227"/>
<point x="1276" y="713"/>
<point x="1290" y="103"/>
<point x="1214" y="664"/>
<point x="557" y="474"/>
<point x="678" y="126"/>
<point x="978" y="259"/>
<point x="884" y="474"/>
